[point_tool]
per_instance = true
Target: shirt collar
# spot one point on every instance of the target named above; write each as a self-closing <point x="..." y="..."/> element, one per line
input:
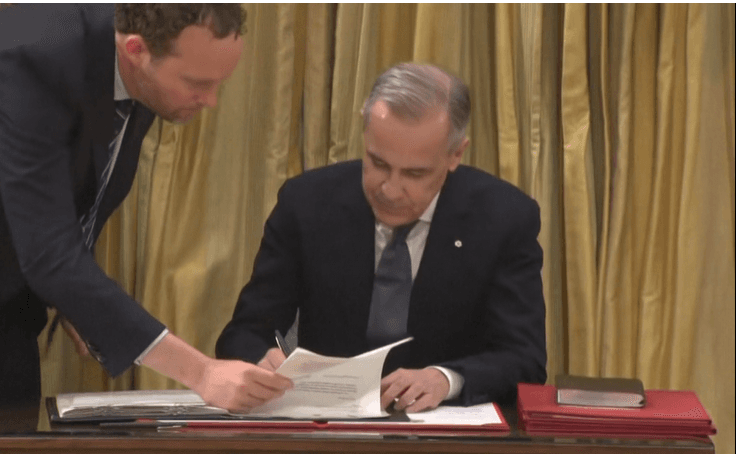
<point x="430" y="210"/>
<point x="119" y="92"/>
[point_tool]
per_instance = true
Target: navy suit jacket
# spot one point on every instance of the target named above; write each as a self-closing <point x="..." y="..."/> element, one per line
<point x="57" y="66"/>
<point x="476" y="305"/>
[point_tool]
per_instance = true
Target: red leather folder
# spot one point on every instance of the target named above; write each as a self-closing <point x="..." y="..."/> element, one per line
<point x="667" y="413"/>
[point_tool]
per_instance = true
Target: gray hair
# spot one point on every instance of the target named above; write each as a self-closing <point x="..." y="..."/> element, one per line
<point x="410" y="90"/>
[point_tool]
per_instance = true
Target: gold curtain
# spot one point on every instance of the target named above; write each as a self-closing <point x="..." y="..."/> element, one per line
<point x="617" y="119"/>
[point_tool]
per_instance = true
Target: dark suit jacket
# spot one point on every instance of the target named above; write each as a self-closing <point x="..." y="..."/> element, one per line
<point x="477" y="309"/>
<point x="56" y="108"/>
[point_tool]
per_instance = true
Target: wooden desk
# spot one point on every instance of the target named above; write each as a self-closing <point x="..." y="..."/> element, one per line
<point x="88" y="443"/>
<point x="88" y="440"/>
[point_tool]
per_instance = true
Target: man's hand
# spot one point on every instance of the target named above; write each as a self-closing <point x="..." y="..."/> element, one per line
<point x="239" y="386"/>
<point x="231" y="384"/>
<point x="414" y="390"/>
<point x="272" y="359"/>
<point x="79" y="344"/>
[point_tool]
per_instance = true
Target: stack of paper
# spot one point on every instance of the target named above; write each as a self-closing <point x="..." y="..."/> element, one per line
<point x="123" y="405"/>
<point x="667" y="414"/>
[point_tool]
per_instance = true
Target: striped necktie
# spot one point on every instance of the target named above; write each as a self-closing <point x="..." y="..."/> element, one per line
<point x="122" y="112"/>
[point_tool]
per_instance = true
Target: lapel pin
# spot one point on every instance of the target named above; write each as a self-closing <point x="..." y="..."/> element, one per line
<point x="458" y="243"/>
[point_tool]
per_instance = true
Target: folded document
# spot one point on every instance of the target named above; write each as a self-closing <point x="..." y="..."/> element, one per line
<point x="330" y="388"/>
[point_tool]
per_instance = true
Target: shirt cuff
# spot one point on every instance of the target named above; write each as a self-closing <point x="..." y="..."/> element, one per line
<point x="455" y="380"/>
<point x="151" y="346"/>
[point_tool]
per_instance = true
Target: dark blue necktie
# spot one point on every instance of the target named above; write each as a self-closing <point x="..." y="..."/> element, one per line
<point x="122" y="112"/>
<point x="392" y="289"/>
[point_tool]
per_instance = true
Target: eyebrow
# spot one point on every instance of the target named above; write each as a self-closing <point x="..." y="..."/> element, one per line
<point x="373" y="155"/>
<point x="408" y="169"/>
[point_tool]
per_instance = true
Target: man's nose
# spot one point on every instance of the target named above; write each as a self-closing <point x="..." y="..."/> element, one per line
<point x="391" y="188"/>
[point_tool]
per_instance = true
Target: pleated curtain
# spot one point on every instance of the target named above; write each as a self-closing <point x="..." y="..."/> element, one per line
<point x="618" y="119"/>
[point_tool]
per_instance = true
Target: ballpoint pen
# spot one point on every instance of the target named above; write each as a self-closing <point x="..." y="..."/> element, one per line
<point x="282" y="344"/>
<point x="141" y="423"/>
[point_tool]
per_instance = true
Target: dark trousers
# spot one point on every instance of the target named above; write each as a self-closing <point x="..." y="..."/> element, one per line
<point x="21" y="321"/>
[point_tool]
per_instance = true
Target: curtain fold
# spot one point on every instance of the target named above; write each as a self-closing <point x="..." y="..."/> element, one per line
<point x="578" y="197"/>
<point x="617" y="119"/>
<point x="482" y="151"/>
<point x="508" y="89"/>
<point x="317" y="94"/>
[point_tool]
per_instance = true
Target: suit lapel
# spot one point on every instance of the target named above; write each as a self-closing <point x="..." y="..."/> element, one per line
<point x="441" y="269"/>
<point x="125" y="167"/>
<point x="357" y="247"/>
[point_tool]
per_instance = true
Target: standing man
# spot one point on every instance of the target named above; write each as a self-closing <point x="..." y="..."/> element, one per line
<point x="406" y="242"/>
<point x="79" y="88"/>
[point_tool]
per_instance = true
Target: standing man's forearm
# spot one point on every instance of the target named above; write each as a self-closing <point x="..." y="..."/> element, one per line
<point x="178" y="360"/>
<point x="231" y="384"/>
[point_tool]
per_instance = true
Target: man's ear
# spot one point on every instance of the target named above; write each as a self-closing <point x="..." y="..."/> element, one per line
<point x="457" y="154"/>
<point x="134" y="49"/>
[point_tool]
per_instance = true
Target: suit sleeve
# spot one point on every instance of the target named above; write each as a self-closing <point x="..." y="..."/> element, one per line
<point x="37" y="127"/>
<point x="513" y="344"/>
<point x="270" y="299"/>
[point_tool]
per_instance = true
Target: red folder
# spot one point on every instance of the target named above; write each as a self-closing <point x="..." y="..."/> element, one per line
<point x="667" y="414"/>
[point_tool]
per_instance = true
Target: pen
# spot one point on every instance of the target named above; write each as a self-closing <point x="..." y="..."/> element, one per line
<point x="282" y="343"/>
<point x="140" y="424"/>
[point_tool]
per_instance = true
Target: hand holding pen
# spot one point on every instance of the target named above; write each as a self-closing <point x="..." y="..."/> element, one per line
<point x="274" y="357"/>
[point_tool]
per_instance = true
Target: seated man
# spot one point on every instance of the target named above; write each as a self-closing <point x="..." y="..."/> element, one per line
<point x="462" y="278"/>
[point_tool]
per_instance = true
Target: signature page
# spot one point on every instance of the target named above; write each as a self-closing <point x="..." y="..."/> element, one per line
<point x="330" y="388"/>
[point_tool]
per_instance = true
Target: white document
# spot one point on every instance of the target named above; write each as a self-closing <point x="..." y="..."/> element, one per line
<point x="476" y="415"/>
<point x="326" y="387"/>
<point x="138" y="403"/>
